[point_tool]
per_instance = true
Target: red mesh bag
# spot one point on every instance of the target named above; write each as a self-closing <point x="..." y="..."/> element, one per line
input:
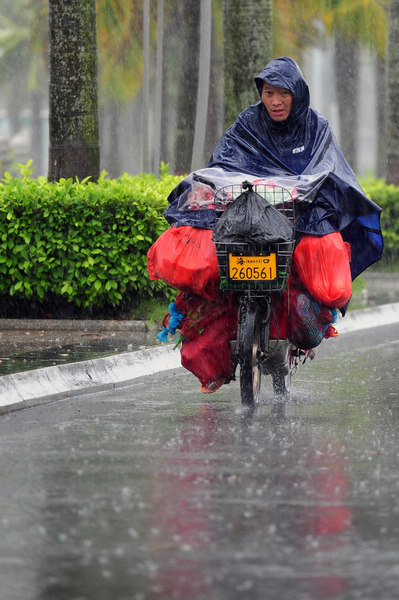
<point x="308" y="321"/>
<point x="322" y="264"/>
<point x="295" y="315"/>
<point x="185" y="258"/>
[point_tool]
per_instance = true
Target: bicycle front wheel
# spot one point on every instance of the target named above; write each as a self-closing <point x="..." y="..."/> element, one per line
<point x="249" y="348"/>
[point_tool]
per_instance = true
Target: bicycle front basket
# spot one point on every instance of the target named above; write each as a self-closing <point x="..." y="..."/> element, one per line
<point x="254" y="237"/>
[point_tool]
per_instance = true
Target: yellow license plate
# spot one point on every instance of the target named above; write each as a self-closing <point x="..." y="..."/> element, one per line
<point x="252" y="268"/>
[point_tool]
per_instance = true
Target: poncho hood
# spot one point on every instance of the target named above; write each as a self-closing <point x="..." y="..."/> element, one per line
<point x="284" y="73"/>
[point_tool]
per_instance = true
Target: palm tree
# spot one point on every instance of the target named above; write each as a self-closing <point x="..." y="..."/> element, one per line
<point x="295" y="26"/>
<point x="73" y="121"/>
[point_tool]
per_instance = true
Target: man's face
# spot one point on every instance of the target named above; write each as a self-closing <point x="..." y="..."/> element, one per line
<point x="278" y="102"/>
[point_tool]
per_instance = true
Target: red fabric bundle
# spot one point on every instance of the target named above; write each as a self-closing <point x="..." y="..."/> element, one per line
<point x="207" y="329"/>
<point x="279" y="320"/>
<point x="185" y="258"/>
<point x="322" y="264"/>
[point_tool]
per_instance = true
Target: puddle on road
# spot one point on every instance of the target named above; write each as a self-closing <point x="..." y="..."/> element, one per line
<point x="35" y="353"/>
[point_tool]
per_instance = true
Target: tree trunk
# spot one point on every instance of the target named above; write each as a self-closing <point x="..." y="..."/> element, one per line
<point x="203" y="84"/>
<point x="248" y="48"/>
<point x="392" y="112"/>
<point x="215" y="119"/>
<point x="114" y="158"/>
<point x="170" y="70"/>
<point x="146" y="86"/>
<point x="381" y="118"/>
<point x="188" y="15"/>
<point x="15" y="102"/>
<point x="347" y="85"/>
<point x="158" y="91"/>
<point x="73" y="95"/>
<point x="36" y="138"/>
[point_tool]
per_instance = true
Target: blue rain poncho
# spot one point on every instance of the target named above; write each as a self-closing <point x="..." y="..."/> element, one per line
<point x="301" y="154"/>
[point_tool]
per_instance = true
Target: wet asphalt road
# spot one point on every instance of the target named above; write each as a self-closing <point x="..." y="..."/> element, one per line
<point x="157" y="492"/>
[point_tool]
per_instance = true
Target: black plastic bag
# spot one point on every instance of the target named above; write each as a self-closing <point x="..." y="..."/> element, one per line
<point x="251" y="218"/>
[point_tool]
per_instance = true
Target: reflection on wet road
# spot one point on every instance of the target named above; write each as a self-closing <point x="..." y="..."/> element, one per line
<point x="157" y="492"/>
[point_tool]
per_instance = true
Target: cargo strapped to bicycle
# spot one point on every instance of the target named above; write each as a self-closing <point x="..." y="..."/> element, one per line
<point x="254" y="237"/>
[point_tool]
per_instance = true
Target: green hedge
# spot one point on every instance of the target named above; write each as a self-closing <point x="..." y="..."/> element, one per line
<point x="85" y="243"/>
<point x="386" y="196"/>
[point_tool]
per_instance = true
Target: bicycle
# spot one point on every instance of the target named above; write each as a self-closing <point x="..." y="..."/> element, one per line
<point x="256" y="272"/>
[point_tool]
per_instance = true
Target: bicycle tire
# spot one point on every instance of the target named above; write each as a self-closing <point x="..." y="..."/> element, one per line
<point x="249" y="346"/>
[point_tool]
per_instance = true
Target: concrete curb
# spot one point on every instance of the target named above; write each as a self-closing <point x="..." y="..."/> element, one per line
<point x="31" y="388"/>
<point x="369" y="317"/>
<point x="71" y="325"/>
